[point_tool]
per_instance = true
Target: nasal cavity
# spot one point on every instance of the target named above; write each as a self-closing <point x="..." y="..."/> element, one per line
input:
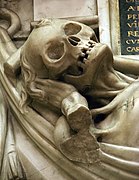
<point x="74" y="40"/>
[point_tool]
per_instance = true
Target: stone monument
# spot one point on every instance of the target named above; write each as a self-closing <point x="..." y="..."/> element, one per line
<point x="66" y="113"/>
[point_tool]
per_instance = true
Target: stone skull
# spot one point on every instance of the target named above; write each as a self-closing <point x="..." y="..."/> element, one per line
<point x="61" y="49"/>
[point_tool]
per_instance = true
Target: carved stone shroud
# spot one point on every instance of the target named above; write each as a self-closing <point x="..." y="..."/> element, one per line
<point x="53" y="135"/>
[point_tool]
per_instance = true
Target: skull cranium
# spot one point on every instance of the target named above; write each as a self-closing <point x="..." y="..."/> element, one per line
<point x="58" y="44"/>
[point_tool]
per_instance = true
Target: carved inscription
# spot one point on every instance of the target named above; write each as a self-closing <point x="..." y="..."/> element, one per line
<point x="129" y="26"/>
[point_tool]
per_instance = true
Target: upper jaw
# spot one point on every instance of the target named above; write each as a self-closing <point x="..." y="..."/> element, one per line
<point x="93" y="54"/>
<point x="89" y="65"/>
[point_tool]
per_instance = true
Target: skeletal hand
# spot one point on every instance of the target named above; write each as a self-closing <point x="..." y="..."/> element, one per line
<point x="53" y="92"/>
<point x="65" y="97"/>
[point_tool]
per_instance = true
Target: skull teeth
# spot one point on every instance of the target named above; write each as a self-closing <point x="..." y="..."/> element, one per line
<point x="83" y="59"/>
<point x="82" y="54"/>
<point x="86" y="51"/>
<point x="92" y="42"/>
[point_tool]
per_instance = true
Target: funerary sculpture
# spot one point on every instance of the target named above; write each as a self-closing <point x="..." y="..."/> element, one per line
<point x="62" y="99"/>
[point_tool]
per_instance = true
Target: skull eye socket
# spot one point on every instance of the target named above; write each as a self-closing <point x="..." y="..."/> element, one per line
<point x="72" y="29"/>
<point x="55" y="51"/>
<point x="74" y="40"/>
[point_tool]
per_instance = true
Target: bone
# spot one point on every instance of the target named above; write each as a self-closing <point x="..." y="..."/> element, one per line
<point x="106" y="93"/>
<point x="116" y="101"/>
<point x="127" y="79"/>
<point x="126" y="65"/>
<point x="104" y="110"/>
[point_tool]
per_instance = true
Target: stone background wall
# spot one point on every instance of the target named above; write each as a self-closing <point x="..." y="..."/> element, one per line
<point x="32" y="10"/>
<point x="24" y="9"/>
<point x="63" y="8"/>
